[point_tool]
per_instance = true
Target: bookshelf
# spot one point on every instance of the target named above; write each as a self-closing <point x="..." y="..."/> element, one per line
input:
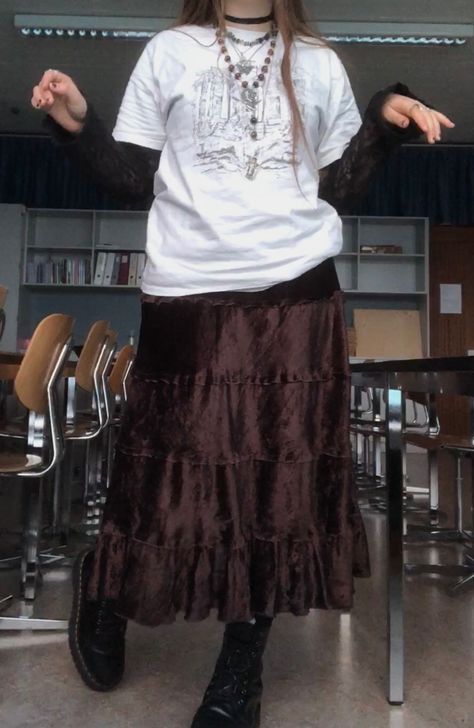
<point x="386" y="280"/>
<point x="370" y="280"/>
<point x="84" y="248"/>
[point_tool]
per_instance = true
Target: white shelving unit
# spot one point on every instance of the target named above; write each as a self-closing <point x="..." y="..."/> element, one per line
<point x="384" y="280"/>
<point x="369" y="280"/>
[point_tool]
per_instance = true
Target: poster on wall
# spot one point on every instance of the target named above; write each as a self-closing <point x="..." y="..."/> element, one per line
<point x="450" y="296"/>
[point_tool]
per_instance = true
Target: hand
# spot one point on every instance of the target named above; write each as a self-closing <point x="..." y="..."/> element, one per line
<point x="400" y="110"/>
<point x="58" y="95"/>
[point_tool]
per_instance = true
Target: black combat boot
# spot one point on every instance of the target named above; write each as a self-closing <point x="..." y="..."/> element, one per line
<point x="96" y="633"/>
<point x="232" y="699"/>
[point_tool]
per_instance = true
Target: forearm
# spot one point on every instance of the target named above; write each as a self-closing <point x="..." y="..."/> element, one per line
<point x="346" y="180"/>
<point x="126" y="171"/>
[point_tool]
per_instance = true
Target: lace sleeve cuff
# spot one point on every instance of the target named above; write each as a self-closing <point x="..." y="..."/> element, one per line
<point x="93" y="125"/>
<point x="393" y="133"/>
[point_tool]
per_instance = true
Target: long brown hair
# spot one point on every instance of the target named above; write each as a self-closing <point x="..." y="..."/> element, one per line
<point x="292" y="20"/>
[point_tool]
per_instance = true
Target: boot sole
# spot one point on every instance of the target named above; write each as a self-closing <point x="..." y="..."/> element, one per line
<point x="73" y="629"/>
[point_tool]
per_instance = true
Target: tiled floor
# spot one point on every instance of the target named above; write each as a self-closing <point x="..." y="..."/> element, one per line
<point x="327" y="670"/>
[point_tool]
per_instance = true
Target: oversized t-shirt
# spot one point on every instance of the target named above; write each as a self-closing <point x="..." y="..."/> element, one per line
<point x="227" y="212"/>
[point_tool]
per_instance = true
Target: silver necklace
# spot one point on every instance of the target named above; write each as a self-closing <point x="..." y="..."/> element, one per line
<point x="250" y="95"/>
<point x="244" y="66"/>
<point x="248" y="43"/>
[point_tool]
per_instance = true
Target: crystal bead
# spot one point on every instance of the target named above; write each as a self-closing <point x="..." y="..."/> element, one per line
<point x="264" y="69"/>
<point x="220" y="41"/>
<point x="245" y="84"/>
<point x="271" y="52"/>
<point x="238" y="75"/>
<point x="261" y="76"/>
<point x="253" y="134"/>
<point x="256" y="84"/>
<point x="231" y="67"/>
<point x="253" y="119"/>
<point x="268" y="59"/>
<point x="273" y="43"/>
<point x="227" y="58"/>
<point x="223" y="49"/>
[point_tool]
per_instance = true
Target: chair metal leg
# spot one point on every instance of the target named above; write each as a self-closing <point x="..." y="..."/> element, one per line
<point x="395" y="575"/>
<point x="27" y="621"/>
<point x="5" y="602"/>
<point x="32" y="505"/>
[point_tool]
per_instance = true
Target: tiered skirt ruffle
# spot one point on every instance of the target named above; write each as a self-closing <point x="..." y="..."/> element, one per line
<point x="232" y="486"/>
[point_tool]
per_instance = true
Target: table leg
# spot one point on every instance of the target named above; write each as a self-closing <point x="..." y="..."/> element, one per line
<point x="394" y="475"/>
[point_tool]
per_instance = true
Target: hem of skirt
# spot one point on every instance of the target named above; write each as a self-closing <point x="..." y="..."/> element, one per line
<point x="132" y="452"/>
<point x="153" y="584"/>
<point x="211" y="380"/>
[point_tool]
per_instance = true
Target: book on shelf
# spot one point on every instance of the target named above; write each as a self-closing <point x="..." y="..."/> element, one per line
<point x="382" y="249"/>
<point x="140" y="268"/>
<point x="132" y="271"/>
<point x="54" y="270"/>
<point x="100" y="268"/>
<point x="123" y="269"/>
<point x="115" y="270"/>
<point x="109" y="268"/>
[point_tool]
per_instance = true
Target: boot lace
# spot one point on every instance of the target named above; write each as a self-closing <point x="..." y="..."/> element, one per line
<point x="108" y="624"/>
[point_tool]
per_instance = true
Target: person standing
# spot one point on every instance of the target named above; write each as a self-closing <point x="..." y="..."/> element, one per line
<point x="232" y="488"/>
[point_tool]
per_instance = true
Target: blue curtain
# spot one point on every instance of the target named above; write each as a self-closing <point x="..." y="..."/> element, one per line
<point x="435" y="182"/>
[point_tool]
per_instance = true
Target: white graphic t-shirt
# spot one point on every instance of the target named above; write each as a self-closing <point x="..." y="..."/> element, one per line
<point x="228" y="213"/>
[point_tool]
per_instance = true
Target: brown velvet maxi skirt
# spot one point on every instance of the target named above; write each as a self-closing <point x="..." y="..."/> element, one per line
<point x="232" y="486"/>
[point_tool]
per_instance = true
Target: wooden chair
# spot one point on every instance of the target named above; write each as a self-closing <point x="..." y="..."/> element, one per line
<point x="433" y="441"/>
<point x="85" y="425"/>
<point x="36" y="388"/>
<point x="120" y="371"/>
<point x="118" y="388"/>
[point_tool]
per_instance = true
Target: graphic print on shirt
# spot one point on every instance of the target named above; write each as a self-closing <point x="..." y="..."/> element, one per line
<point x="222" y="112"/>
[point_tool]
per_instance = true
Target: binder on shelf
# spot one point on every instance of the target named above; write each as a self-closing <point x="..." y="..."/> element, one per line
<point x="123" y="269"/>
<point x="132" y="272"/>
<point x="109" y="267"/>
<point x="140" y="268"/>
<point x="115" y="270"/>
<point x="100" y="269"/>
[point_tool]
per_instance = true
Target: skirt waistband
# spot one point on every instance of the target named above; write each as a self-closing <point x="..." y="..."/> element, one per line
<point x="317" y="283"/>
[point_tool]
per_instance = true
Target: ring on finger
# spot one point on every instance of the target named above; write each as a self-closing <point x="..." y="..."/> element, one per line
<point x="420" y="107"/>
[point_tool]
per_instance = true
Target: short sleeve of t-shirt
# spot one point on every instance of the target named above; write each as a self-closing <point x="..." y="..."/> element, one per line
<point x="342" y="119"/>
<point x="140" y="119"/>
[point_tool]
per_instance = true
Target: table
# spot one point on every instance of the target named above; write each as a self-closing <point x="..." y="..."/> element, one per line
<point x="447" y="375"/>
<point x="10" y="363"/>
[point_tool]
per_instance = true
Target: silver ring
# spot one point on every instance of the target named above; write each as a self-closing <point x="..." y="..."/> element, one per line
<point x="420" y="106"/>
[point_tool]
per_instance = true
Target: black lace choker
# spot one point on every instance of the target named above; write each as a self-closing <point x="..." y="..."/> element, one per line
<point x="249" y="21"/>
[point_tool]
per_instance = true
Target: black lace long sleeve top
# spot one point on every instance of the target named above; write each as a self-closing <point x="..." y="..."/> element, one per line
<point x="126" y="171"/>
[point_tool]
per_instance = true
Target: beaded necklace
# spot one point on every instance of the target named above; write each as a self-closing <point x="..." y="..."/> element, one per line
<point x="248" y="43"/>
<point x="250" y="93"/>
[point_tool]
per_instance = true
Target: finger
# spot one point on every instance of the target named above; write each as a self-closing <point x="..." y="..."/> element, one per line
<point x="58" y="87"/>
<point x="394" y="117"/>
<point x="444" y="120"/>
<point x="37" y="98"/>
<point x="50" y="76"/>
<point x="432" y="131"/>
<point x="437" y="125"/>
<point x="421" y="117"/>
<point x="41" y="100"/>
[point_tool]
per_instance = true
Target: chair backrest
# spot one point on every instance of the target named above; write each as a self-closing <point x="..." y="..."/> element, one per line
<point x="120" y="369"/>
<point x="40" y="360"/>
<point x="90" y="354"/>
